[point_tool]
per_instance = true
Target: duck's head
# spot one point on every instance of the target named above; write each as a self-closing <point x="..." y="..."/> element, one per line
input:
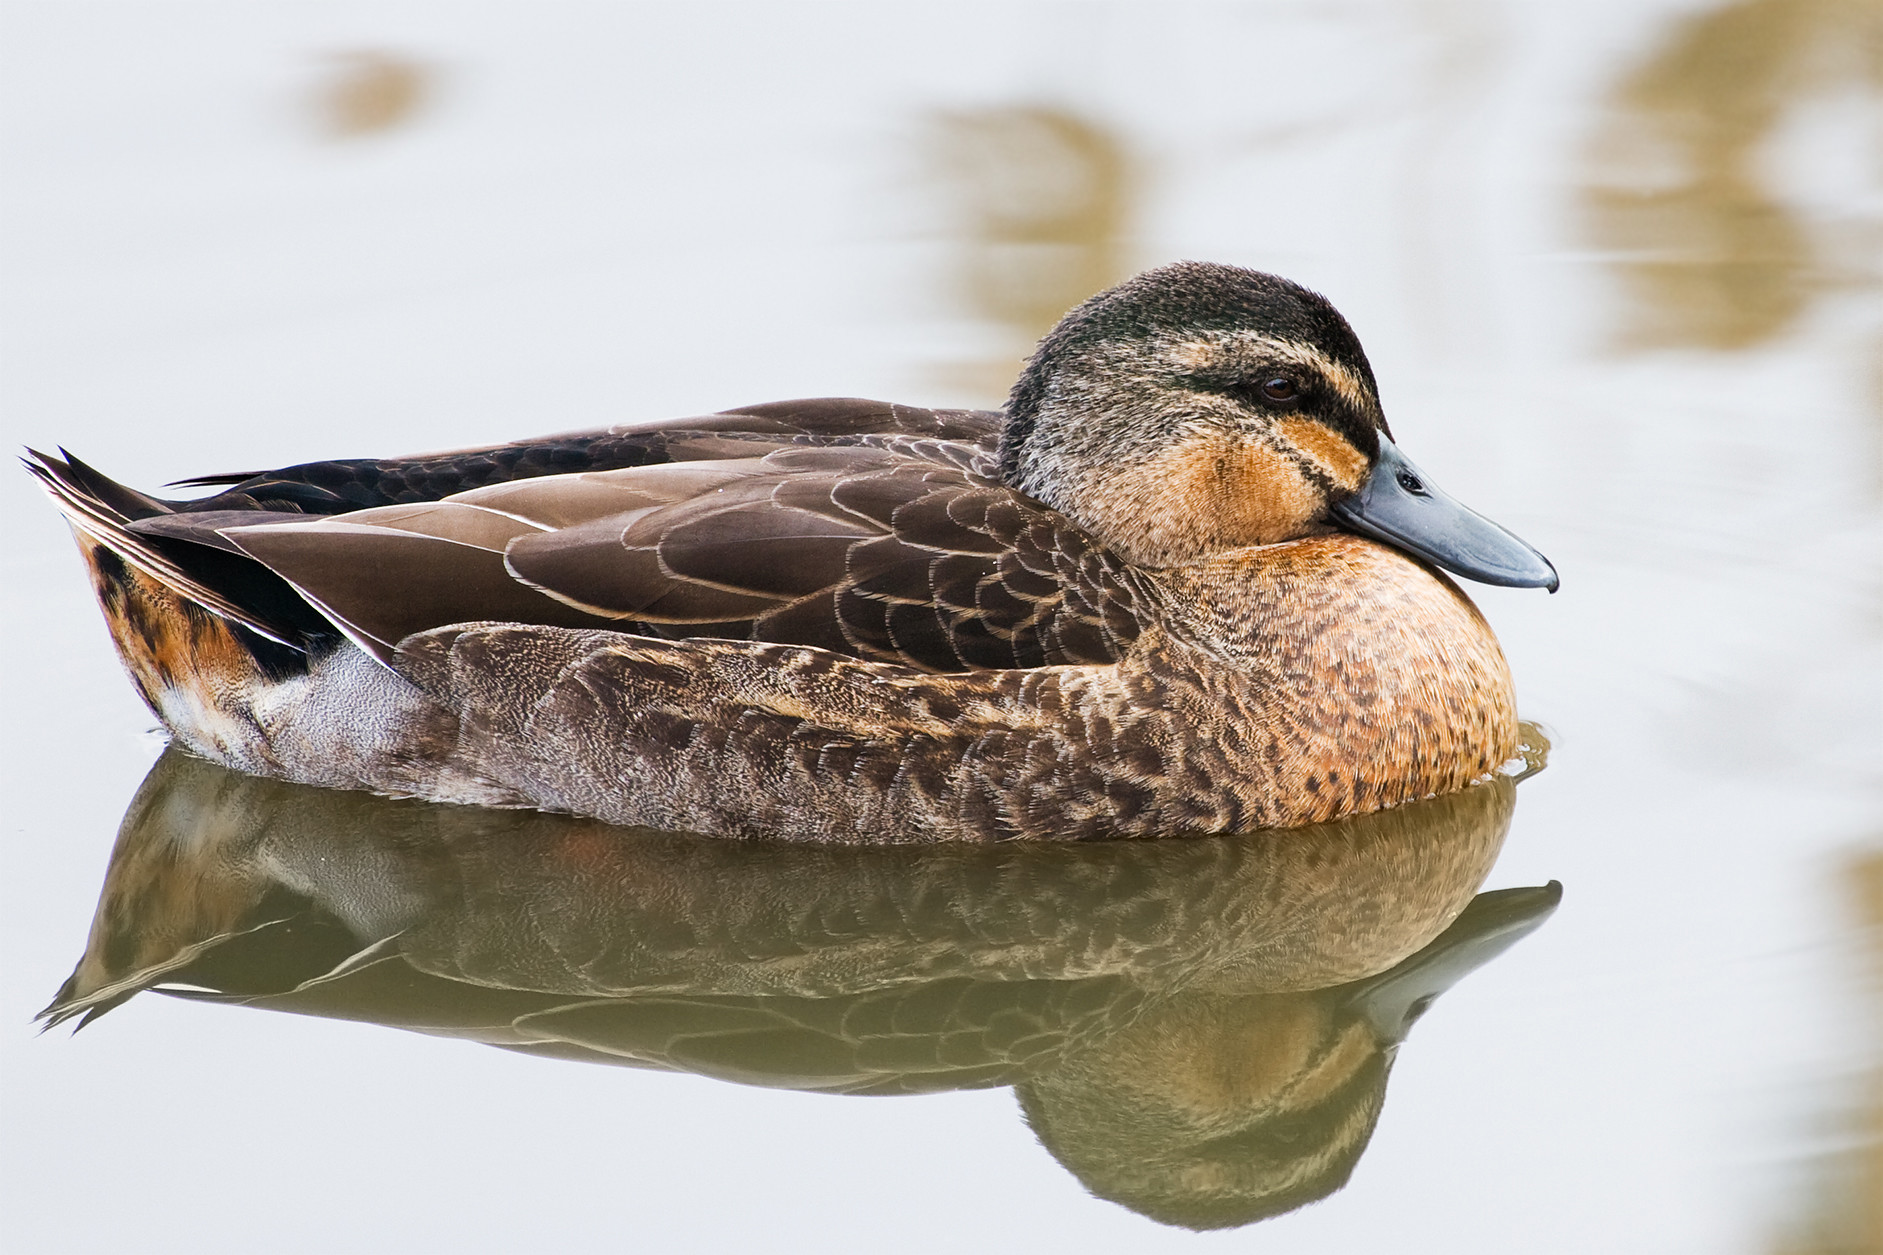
<point x="1202" y="407"/>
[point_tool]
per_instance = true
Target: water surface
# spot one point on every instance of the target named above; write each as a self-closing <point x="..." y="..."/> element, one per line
<point x="1616" y="266"/>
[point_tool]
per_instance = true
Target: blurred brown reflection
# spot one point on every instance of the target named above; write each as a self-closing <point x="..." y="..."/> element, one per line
<point x="1843" y="1213"/>
<point x="1714" y="254"/>
<point x="1199" y="1029"/>
<point x="1041" y="201"/>
<point x="366" y="92"/>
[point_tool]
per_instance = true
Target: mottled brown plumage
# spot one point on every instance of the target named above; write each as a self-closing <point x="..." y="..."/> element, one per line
<point x="1119" y="609"/>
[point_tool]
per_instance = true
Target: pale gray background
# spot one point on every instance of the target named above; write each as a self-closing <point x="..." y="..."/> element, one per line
<point x="609" y="211"/>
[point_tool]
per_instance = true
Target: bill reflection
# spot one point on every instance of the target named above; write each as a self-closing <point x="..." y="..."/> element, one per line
<point x="1200" y="1030"/>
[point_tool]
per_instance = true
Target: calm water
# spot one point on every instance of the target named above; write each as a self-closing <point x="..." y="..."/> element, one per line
<point x="1618" y="267"/>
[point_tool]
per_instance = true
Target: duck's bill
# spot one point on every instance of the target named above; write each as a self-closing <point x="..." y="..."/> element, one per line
<point x="1399" y="505"/>
<point x="1490" y="925"/>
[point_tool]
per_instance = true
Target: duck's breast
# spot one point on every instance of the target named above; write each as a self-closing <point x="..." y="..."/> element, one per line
<point x="1333" y="675"/>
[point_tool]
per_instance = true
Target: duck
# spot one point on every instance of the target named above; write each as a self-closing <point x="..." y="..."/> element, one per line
<point x="1184" y="582"/>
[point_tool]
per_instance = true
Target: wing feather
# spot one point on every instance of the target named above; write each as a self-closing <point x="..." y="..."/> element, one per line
<point x="876" y="551"/>
<point x="347" y="569"/>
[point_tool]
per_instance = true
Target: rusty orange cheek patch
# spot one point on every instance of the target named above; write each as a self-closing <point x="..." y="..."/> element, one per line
<point x="1243" y="494"/>
<point x="1265" y="497"/>
<point x="1333" y="452"/>
<point x="1211" y="492"/>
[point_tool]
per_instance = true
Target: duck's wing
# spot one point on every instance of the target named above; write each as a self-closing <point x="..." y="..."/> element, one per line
<point x="180" y="543"/>
<point x="888" y="551"/>
<point x="886" y="547"/>
<point x="346" y="485"/>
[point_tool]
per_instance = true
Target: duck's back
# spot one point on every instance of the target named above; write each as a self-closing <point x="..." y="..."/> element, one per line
<point x="339" y="486"/>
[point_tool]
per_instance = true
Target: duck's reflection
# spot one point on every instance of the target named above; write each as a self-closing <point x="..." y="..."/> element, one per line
<point x="1198" y="1029"/>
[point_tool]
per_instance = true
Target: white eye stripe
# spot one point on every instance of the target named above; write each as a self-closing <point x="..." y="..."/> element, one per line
<point x="1350" y="387"/>
<point x="1219" y="349"/>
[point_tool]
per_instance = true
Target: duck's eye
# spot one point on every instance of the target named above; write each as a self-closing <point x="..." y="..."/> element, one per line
<point x="1279" y="388"/>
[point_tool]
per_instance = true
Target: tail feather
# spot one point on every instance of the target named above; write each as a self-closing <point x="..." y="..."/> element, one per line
<point x="127" y="502"/>
<point x="104" y="510"/>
